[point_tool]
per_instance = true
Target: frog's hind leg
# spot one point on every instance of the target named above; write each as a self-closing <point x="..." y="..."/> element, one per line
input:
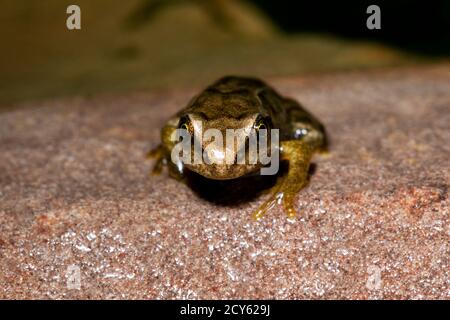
<point x="298" y="154"/>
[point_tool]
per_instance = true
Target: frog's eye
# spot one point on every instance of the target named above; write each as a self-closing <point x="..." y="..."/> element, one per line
<point x="185" y="124"/>
<point x="261" y="124"/>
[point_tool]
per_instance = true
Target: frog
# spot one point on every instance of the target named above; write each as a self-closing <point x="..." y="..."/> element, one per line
<point x="238" y="102"/>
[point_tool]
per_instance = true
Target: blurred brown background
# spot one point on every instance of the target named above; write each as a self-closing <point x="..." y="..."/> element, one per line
<point x="145" y="44"/>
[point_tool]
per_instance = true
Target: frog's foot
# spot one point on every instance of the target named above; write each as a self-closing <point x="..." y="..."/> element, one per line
<point x="282" y="195"/>
<point x="158" y="154"/>
<point x="298" y="154"/>
<point x="267" y="205"/>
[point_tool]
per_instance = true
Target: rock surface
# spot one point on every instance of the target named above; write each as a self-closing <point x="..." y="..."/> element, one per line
<point x="75" y="194"/>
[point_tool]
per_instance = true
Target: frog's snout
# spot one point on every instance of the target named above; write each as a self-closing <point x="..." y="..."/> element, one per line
<point x="222" y="171"/>
<point x="214" y="156"/>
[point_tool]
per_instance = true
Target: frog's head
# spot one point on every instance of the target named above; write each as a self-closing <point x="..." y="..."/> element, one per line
<point x="225" y="153"/>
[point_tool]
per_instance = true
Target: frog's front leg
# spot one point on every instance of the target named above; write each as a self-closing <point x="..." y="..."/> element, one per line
<point x="162" y="153"/>
<point x="298" y="154"/>
<point x="157" y="153"/>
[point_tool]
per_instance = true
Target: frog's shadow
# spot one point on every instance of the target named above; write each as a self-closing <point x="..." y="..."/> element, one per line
<point x="236" y="191"/>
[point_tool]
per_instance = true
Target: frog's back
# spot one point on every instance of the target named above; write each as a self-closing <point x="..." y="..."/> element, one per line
<point x="237" y="97"/>
<point x="230" y="97"/>
<point x="235" y="84"/>
<point x="294" y="121"/>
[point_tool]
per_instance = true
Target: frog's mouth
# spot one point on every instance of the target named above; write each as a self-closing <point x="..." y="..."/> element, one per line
<point x="223" y="171"/>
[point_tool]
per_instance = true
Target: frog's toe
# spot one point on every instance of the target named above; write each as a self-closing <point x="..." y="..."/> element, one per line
<point x="266" y="206"/>
<point x="260" y="212"/>
<point x="157" y="168"/>
<point x="283" y="199"/>
<point x="288" y="204"/>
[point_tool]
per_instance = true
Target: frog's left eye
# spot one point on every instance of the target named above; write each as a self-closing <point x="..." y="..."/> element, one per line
<point x="261" y="124"/>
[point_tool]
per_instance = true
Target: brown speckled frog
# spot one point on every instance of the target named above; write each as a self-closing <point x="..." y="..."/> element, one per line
<point x="243" y="103"/>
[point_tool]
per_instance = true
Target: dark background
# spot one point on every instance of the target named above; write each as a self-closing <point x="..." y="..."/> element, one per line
<point x="164" y="44"/>
<point x="420" y="26"/>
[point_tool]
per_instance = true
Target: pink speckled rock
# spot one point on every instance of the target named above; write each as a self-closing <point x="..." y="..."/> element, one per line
<point x="75" y="194"/>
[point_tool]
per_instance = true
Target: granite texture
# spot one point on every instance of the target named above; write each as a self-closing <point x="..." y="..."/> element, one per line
<point x="75" y="192"/>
